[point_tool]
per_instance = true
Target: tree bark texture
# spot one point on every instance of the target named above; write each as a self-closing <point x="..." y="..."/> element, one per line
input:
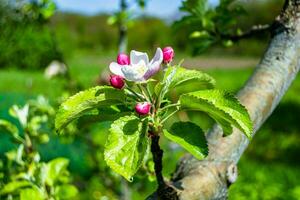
<point x="210" y="178"/>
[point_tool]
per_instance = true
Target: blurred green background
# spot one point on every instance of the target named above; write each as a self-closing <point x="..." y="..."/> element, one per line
<point x="268" y="170"/>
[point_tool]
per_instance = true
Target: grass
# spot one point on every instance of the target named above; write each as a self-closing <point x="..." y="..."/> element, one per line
<point x="269" y="169"/>
<point x="86" y="70"/>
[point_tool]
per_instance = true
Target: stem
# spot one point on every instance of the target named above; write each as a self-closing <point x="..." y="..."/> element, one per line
<point x="143" y="92"/>
<point x="157" y="154"/>
<point x="149" y="92"/>
<point x="170" y="106"/>
<point x="167" y="117"/>
<point x="140" y="97"/>
<point x="163" y="91"/>
<point x="27" y="143"/>
<point x="133" y="96"/>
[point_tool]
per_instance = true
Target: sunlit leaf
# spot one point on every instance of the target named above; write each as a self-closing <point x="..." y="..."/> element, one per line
<point x="186" y="80"/>
<point x="9" y="128"/>
<point x="20" y="113"/>
<point x="66" y="191"/>
<point x="13" y="186"/>
<point x="221" y="106"/>
<point x="190" y="136"/>
<point x="82" y="102"/>
<point x="55" y="169"/>
<point x="31" y="194"/>
<point x="126" y="145"/>
<point x="48" y="10"/>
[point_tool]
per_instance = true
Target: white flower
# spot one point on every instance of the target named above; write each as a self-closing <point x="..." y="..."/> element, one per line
<point x="139" y="69"/>
<point x="55" y="68"/>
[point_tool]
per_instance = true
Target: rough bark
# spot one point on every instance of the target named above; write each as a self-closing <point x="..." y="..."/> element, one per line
<point x="210" y="178"/>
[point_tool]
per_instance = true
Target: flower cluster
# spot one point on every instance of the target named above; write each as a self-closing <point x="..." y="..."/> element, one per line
<point x="138" y="69"/>
<point x="139" y="105"/>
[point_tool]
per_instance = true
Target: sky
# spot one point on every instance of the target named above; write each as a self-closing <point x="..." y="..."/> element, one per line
<point x="158" y="8"/>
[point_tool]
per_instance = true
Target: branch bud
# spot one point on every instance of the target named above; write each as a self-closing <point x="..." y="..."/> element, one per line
<point x="117" y="81"/>
<point x="168" y="53"/>
<point x="143" y="108"/>
<point x="123" y="59"/>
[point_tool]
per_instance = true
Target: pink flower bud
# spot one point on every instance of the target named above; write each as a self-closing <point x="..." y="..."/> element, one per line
<point x="117" y="81"/>
<point x="123" y="59"/>
<point x="168" y="54"/>
<point x="143" y="108"/>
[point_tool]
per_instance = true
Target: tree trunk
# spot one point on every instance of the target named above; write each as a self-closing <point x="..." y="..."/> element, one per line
<point x="123" y="29"/>
<point x="210" y="178"/>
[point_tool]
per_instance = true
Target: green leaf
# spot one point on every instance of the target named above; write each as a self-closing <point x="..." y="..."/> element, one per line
<point x="48" y="10"/>
<point x="13" y="186"/>
<point x="190" y="136"/>
<point x="31" y="194"/>
<point x="186" y="80"/>
<point x="199" y="34"/>
<point x="66" y="191"/>
<point x="19" y="154"/>
<point x="20" y="113"/>
<point x="82" y="102"/>
<point x="196" y="7"/>
<point x="223" y="107"/>
<point x="111" y="113"/>
<point x="202" y="44"/>
<point x="126" y="145"/>
<point x="226" y="126"/>
<point x="10" y="128"/>
<point x="141" y="3"/>
<point x="54" y="170"/>
<point x="112" y="20"/>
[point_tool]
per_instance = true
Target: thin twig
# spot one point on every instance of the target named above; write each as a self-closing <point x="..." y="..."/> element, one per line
<point x="254" y="30"/>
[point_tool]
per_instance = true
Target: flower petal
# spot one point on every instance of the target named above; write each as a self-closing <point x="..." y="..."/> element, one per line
<point x="115" y="68"/>
<point x="135" y="72"/>
<point x="154" y="65"/>
<point x="136" y="57"/>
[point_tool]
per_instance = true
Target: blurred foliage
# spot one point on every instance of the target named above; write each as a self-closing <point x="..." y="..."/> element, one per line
<point x="23" y="11"/>
<point x="38" y="10"/>
<point x="25" y="40"/>
<point x="85" y="33"/>
<point x="22" y="174"/>
<point x="124" y="16"/>
<point x="206" y="24"/>
<point x="221" y="25"/>
<point x="35" y="43"/>
<point x="77" y="32"/>
<point x="26" y="46"/>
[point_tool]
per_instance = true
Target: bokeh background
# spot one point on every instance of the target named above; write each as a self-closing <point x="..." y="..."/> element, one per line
<point x="83" y="34"/>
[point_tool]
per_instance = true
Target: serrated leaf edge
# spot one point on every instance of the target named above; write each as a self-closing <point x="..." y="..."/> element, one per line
<point x="248" y="134"/>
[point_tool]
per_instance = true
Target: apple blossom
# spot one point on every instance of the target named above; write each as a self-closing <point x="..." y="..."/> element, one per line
<point x="143" y="108"/>
<point x="123" y="59"/>
<point x="168" y="54"/>
<point x="139" y="69"/>
<point x="117" y="81"/>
